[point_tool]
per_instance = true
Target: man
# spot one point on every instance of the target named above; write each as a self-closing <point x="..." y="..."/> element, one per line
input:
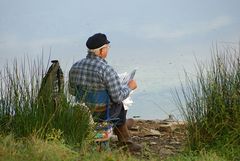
<point x="94" y="73"/>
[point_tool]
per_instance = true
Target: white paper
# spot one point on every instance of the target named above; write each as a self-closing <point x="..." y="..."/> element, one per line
<point x="125" y="78"/>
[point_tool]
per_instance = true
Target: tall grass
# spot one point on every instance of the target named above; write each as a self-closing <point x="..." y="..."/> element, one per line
<point x="211" y="103"/>
<point x="25" y="109"/>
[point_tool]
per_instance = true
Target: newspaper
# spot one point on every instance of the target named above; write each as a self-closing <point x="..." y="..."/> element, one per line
<point x="125" y="78"/>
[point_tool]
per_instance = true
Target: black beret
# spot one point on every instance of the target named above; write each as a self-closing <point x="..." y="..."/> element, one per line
<point x="96" y="41"/>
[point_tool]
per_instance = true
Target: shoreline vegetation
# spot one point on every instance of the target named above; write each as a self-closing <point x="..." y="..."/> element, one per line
<point x="39" y="121"/>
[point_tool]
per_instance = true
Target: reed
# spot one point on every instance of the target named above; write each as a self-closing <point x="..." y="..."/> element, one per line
<point x="211" y="103"/>
<point x="23" y="113"/>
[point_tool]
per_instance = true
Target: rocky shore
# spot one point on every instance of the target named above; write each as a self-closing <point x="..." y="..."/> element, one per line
<point x="161" y="138"/>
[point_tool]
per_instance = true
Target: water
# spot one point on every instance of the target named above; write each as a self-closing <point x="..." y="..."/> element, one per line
<point x="157" y="79"/>
<point x="157" y="75"/>
<point x="153" y="105"/>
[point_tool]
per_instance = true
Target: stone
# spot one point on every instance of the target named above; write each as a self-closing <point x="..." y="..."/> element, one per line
<point x="165" y="151"/>
<point x="153" y="143"/>
<point x="175" y="143"/>
<point x="171" y="126"/>
<point x="169" y="147"/>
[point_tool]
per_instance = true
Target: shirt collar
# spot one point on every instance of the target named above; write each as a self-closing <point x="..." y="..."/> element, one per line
<point x="91" y="55"/>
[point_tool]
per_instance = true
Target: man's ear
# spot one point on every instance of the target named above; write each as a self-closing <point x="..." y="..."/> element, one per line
<point x="100" y="52"/>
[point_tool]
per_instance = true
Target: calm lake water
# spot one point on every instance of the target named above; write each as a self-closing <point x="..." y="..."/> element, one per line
<point x="157" y="79"/>
<point x="156" y="76"/>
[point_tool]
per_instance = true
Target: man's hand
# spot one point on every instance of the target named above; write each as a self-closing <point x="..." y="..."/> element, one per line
<point x="132" y="84"/>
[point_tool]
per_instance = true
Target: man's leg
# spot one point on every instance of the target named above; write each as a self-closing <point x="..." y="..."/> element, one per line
<point x="121" y="129"/>
<point x="130" y="123"/>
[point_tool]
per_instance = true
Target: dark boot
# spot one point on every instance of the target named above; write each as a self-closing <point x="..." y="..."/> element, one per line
<point x="124" y="138"/>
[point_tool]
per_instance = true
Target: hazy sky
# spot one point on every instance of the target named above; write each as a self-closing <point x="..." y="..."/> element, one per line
<point x="153" y="31"/>
<point x="154" y="26"/>
<point x="158" y="36"/>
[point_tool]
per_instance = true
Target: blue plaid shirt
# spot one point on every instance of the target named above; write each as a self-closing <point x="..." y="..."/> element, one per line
<point x="94" y="73"/>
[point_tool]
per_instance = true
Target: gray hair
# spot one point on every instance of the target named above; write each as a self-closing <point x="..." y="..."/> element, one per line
<point x="97" y="49"/>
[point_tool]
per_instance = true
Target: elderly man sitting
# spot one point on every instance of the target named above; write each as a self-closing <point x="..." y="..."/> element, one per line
<point x="94" y="74"/>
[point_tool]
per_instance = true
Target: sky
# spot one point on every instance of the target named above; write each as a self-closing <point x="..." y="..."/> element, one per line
<point x="160" y="38"/>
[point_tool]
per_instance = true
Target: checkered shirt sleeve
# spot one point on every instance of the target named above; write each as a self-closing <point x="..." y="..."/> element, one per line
<point x="116" y="90"/>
